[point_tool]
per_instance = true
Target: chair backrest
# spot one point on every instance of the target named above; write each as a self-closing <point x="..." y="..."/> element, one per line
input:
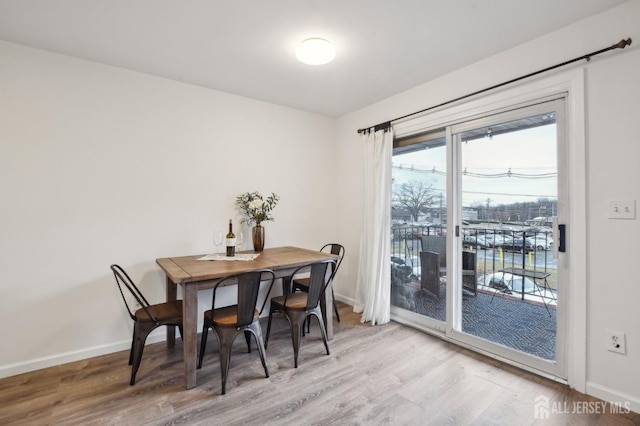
<point x="248" y="289"/>
<point x="335" y="249"/>
<point x="469" y="271"/>
<point x="126" y="285"/>
<point x="321" y="274"/>
<point x="436" y="244"/>
<point x="430" y="271"/>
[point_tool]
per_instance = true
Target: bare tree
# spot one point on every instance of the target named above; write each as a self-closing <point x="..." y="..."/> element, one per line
<point x="416" y="197"/>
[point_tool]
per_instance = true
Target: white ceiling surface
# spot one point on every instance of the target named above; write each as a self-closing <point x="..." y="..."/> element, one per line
<point x="246" y="47"/>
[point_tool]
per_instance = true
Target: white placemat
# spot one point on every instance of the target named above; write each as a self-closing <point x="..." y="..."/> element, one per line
<point x="240" y="256"/>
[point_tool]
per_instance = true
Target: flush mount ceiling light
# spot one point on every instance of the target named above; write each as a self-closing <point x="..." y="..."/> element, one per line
<point x="315" y="51"/>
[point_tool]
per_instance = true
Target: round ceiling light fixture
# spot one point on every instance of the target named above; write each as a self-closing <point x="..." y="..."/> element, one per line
<point x="315" y="51"/>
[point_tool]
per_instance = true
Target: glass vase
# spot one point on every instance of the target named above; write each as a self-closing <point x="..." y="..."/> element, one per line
<point x="257" y="235"/>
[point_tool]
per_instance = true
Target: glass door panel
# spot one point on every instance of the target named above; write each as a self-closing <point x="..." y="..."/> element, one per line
<point x="509" y="198"/>
<point x="418" y="226"/>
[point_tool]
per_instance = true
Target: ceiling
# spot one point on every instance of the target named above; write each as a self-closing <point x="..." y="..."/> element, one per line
<point x="247" y="47"/>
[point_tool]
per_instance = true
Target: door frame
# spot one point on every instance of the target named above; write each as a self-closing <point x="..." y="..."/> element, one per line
<point x="571" y="84"/>
<point x="553" y="368"/>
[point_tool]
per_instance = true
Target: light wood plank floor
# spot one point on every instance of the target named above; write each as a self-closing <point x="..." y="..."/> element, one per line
<point x="384" y="375"/>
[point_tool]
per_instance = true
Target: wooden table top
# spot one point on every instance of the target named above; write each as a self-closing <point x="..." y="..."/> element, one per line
<point x="184" y="269"/>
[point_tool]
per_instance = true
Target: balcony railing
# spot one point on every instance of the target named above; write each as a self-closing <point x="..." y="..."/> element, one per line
<point x="496" y="249"/>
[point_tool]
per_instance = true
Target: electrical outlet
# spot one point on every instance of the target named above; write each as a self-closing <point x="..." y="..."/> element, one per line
<point x="615" y="342"/>
<point x="622" y="209"/>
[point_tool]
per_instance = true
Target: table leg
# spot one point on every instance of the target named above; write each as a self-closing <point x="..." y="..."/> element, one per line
<point x="286" y="285"/>
<point x="190" y="334"/>
<point x="172" y="294"/>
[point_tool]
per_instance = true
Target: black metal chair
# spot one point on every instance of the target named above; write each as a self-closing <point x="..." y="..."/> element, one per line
<point x="299" y="305"/>
<point x="145" y="319"/>
<point x="227" y="322"/>
<point x="302" y="284"/>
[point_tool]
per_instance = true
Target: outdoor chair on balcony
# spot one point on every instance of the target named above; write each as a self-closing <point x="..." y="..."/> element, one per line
<point x="430" y="272"/>
<point x="437" y="244"/>
<point x="469" y="272"/>
<point x="433" y="260"/>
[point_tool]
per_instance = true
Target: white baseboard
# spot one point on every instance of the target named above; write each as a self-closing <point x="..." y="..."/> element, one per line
<point x="64" y="358"/>
<point x="614" y="397"/>
<point x="347" y="300"/>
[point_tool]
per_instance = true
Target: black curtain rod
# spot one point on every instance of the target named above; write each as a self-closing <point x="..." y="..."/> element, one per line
<point x="620" y="45"/>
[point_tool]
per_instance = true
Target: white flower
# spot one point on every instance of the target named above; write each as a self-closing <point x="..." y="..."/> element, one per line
<point x="255" y="207"/>
<point x="256" y="204"/>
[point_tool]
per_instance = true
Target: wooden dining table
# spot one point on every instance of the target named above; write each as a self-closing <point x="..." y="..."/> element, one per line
<point x="193" y="274"/>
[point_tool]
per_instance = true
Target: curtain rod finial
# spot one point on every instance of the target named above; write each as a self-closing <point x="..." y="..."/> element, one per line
<point x="622" y="43"/>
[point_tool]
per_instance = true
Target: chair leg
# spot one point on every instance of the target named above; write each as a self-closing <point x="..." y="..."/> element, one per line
<point x="203" y="343"/>
<point x="296" y="321"/>
<point x="140" y="332"/>
<point x="133" y="341"/>
<point x="323" y="330"/>
<point x="226" y="336"/>
<point x="247" y="337"/>
<point x="256" y="330"/>
<point x="182" y="332"/>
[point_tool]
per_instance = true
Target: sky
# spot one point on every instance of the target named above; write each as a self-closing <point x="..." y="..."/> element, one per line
<point x="527" y="153"/>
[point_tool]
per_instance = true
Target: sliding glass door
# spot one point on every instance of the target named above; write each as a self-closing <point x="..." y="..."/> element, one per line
<point x="419" y="226"/>
<point x="473" y="242"/>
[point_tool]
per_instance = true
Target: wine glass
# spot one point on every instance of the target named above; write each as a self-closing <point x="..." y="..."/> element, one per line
<point x="240" y="241"/>
<point x="218" y="240"/>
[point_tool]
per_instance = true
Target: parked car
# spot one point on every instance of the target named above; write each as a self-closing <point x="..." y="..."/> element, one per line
<point x="478" y="241"/>
<point x="517" y="245"/>
<point x="513" y="284"/>
<point x="541" y="242"/>
<point x="407" y="233"/>
<point x="496" y="239"/>
<point x="490" y="240"/>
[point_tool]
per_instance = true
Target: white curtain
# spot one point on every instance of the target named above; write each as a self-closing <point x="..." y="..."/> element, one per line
<point x="373" y="290"/>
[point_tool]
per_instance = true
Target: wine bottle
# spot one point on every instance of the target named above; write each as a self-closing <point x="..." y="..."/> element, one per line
<point x="231" y="241"/>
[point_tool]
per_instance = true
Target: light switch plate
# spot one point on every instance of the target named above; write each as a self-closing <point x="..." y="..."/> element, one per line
<point x="622" y="209"/>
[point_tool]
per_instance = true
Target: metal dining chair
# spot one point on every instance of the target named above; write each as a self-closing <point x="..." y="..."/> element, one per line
<point x="229" y="321"/>
<point x="145" y="319"/>
<point x="297" y="306"/>
<point x="302" y="284"/>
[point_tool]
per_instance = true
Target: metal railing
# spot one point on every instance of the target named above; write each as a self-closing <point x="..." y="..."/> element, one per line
<point x="496" y="249"/>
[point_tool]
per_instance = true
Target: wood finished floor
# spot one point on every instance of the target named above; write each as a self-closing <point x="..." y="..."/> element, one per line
<point x="384" y="375"/>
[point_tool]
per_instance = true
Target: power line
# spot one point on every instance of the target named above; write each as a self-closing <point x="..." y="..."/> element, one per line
<point x="466" y="172"/>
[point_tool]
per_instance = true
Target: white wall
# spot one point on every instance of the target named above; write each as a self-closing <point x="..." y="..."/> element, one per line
<point x="100" y="165"/>
<point x="613" y="150"/>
